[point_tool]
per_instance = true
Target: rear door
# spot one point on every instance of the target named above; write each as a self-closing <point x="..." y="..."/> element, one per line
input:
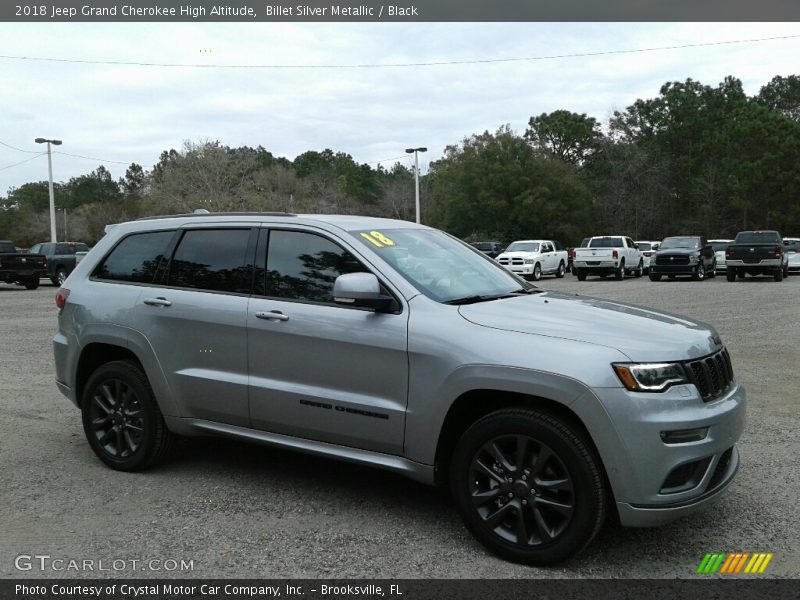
<point x="319" y="370"/>
<point x="195" y="319"/>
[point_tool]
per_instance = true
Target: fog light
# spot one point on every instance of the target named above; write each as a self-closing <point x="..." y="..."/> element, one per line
<point x="684" y="436"/>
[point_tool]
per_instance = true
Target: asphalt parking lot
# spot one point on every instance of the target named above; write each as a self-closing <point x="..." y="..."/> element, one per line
<point x="250" y="511"/>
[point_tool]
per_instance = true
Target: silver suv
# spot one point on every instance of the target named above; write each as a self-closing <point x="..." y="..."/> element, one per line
<point x="396" y="345"/>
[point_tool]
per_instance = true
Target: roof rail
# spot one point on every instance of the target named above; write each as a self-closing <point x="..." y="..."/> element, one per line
<point x="219" y="214"/>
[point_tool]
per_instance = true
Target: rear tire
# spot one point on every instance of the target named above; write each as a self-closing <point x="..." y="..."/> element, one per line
<point x="654" y="277"/>
<point x="619" y="274"/>
<point x="778" y="276"/>
<point x="31" y="284"/>
<point x="581" y="274"/>
<point x="557" y="498"/>
<point x="730" y="274"/>
<point x="121" y="418"/>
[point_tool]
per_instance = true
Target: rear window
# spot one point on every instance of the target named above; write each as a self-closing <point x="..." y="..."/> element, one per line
<point x="214" y="260"/>
<point x="644" y="246"/>
<point x="758" y="237"/>
<point x="483" y="246"/>
<point x="135" y="258"/>
<point x="7" y="248"/>
<point x="611" y="242"/>
<point x="720" y="246"/>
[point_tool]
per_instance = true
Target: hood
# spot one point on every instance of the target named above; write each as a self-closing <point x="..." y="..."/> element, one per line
<point x="678" y="251"/>
<point x="518" y="254"/>
<point x="640" y="333"/>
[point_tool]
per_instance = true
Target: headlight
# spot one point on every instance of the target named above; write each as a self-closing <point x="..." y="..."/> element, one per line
<point x="693" y="258"/>
<point x="650" y="377"/>
<point x="528" y="261"/>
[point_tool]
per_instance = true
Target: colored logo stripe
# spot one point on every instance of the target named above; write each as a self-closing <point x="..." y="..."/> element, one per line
<point x="734" y="562"/>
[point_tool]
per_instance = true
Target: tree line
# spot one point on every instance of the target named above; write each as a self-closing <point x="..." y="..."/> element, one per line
<point x="694" y="159"/>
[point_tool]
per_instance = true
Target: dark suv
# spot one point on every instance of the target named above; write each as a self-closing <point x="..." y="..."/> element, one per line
<point x="683" y="255"/>
<point x="490" y="249"/>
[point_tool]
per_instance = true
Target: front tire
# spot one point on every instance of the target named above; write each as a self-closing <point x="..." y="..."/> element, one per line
<point x="561" y="270"/>
<point x="528" y="486"/>
<point x="537" y="272"/>
<point x="700" y="274"/>
<point x="121" y="418"/>
<point x="640" y="269"/>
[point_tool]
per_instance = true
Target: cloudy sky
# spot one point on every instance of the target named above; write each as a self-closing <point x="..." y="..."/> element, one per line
<point x="131" y="113"/>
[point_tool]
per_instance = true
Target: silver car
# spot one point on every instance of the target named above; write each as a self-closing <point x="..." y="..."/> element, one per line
<point x="396" y="345"/>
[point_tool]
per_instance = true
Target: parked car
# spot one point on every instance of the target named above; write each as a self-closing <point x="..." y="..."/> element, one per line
<point x="490" y="249"/>
<point x="647" y="248"/>
<point x="534" y="258"/>
<point x="757" y="253"/>
<point x="542" y="411"/>
<point x="61" y="258"/>
<point x="719" y="247"/>
<point x="571" y="254"/>
<point x="21" y="268"/>
<point x="792" y="249"/>
<point x="688" y="255"/>
<point x="608" y="254"/>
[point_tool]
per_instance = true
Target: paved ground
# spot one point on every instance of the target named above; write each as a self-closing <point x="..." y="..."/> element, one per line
<point x="244" y="511"/>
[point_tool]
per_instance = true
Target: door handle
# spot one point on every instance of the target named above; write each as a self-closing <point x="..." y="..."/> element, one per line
<point x="157" y="302"/>
<point x="273" y="315"/>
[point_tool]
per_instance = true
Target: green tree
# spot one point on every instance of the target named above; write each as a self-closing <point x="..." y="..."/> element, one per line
<point x="570" y="136"/>
<point x="782" y="94"/>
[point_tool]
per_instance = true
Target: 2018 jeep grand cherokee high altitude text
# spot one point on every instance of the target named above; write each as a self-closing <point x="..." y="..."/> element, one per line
<point x="396" y="345"/>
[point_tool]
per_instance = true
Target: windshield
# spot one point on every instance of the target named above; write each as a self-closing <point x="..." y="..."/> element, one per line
<point x="439" y="266"/>
<point x="689" y="243"/>
<point x="523" y="247"/>
<point x="611" y="242"/>
<point x="482" y="246"/>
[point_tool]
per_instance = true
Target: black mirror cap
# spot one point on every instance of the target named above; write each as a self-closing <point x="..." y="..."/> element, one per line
<point x="382" y="304"/>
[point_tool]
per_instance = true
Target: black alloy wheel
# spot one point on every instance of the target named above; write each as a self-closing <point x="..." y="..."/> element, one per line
<point x="121" y="418"/>
<point x="528" y="486"/>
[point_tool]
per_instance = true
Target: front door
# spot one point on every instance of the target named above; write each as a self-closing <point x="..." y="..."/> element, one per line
<point x="318" y="370"/>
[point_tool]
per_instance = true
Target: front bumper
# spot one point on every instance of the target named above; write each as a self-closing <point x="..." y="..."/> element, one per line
<point x="689" y="269"/>
<point x="520" y="269"/>
<point x="641" y="490"/>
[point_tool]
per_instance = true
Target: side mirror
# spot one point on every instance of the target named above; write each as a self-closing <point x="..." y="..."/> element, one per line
<point x="361" y="290"/>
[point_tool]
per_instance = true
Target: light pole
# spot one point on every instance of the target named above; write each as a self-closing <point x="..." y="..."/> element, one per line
<point x="50" y="176"/>
<point x="416" y="152"/>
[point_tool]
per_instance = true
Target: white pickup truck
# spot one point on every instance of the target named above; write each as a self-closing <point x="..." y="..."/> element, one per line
<point x="534" y="258"/>
<point x="608" y="254"/>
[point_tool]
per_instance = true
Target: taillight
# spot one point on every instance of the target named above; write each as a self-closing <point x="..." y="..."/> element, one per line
<point x="777" y="250"/>
<point x="61" y="298"/>
<point x="45" y="263"/>
<point x="614" y="254"/>
<point x="727" y="252"/>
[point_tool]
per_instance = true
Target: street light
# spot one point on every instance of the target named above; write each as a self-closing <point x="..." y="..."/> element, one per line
<point x="50" y="175"/>
<point x="416" y="152"/>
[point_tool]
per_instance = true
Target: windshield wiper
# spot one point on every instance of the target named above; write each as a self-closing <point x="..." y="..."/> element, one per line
<point x="488" y="297"/>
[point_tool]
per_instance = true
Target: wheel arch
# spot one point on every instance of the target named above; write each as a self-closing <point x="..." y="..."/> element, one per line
<point x="95" y="355"/>
<point x="471" y="406"/>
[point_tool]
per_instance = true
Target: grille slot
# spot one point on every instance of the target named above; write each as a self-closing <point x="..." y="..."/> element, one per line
<point x="672" y="259"/>
<point x="713" y="375"/>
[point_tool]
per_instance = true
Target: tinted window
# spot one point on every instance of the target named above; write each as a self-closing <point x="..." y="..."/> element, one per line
<point x="36" y="249"/>
<point x="643" y="246"/>
<point x="64" y="249"/>
<point x="559" y="247"/>
<point x="7" y="248"/>
<point x="303" y="266"/>
<point x="135" y="258"/>
<point x="214" y="260"/>
<point x="758" y="237"/>
<point x="719" y="246"/>
<point x="483" y="246"/>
